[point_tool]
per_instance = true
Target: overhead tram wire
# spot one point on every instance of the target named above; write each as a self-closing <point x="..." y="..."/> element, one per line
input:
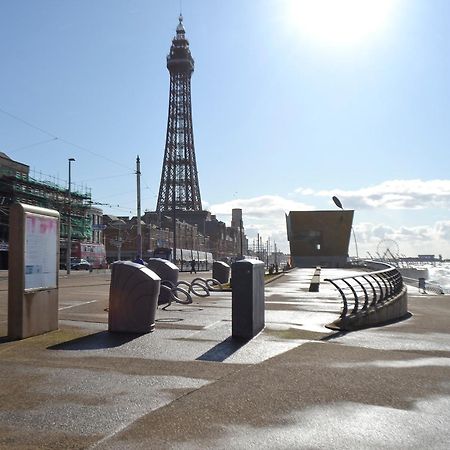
<point x="54" y="138"/>
<point x="27" y="123"/>
<point x="33" y="145"/>
<point x="48" y="133"/>
<point x="105" y="178"/>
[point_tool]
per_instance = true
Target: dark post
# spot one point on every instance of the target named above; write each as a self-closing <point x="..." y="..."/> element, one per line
<point x="69" y="221"/>
<point x="240" y="232"/>
<point x="247" y="298"/>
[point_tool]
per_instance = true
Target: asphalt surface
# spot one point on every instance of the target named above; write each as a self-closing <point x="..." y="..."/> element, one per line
<point x="188" y="385"/>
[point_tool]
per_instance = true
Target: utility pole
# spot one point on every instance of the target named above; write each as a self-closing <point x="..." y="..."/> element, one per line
<point x="119" y="245"/>
<point x="261" y="247"/>
<point x="240" y="227"/>
<point x="338" y="203"/>
<point x="69" y="221"/>
<point x="276" y="262"/>
<point x="257" y="247"/>
<point x="139" y="225"/>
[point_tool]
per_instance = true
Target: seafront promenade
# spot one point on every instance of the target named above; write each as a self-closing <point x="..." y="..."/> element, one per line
<point x="188" y="385"/>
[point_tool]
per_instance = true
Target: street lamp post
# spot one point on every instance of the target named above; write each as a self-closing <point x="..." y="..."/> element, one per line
<point x="69" y="220"/>
<point x="240" y="234"/>
<point x="338" y="203"/>
<point x="139" y="224"/>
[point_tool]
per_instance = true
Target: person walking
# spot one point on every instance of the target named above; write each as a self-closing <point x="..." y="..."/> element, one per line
<point x="193" y="266"/>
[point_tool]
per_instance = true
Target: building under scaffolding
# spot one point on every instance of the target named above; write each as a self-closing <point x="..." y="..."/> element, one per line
<point x="16" y="185"/>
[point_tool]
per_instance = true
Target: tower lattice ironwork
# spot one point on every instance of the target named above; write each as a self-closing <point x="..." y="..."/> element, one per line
<point x="179" y="188"/>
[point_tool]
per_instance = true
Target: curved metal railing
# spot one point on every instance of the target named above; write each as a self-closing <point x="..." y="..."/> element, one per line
<point x="368" y="289"/>
<point x="201" y="287"/>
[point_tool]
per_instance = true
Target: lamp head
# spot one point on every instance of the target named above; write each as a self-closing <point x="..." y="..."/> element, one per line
<point x="337" y="202"/>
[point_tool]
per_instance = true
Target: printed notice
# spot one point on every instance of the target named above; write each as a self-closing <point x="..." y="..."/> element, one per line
<point x="41" y="234"/>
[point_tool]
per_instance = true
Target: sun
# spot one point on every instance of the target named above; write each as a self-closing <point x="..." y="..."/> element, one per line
<point x="339" y="22"/>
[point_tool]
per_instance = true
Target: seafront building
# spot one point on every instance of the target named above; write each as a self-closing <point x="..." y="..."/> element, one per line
<point x="319" y="238"/>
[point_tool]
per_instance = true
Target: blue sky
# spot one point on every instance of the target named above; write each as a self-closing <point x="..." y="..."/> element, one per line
<point x="286" y="113"/>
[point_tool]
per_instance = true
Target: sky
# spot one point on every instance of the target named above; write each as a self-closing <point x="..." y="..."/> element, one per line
<point x="293" y="102"/>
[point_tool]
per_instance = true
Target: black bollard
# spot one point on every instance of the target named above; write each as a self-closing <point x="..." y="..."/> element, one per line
<point x="247" y="298"/>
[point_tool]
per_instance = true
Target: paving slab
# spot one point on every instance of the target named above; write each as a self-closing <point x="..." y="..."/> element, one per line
<point x="189" y="385"/>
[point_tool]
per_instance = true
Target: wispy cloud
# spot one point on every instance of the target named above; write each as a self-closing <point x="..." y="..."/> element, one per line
<point x="260" y="206"/>
<point x="392" y="194"/>
<point x="266" y="214"/>
<point x="411" y="240"/>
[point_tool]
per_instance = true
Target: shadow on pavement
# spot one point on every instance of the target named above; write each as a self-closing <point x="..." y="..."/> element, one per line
<point x="103" y="339"/>
<point x="4" y="339"/>
<point x="340" y="333"/>
<point x="223" y="350"/>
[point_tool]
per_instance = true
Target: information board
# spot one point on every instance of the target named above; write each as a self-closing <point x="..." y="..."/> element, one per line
<point x="41" y="235"/>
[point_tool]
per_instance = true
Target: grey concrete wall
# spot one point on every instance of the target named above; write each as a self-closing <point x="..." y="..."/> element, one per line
<point x="392" y="310"/>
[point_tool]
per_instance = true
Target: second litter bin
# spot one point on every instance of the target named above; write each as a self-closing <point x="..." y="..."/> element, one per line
<point x="167" y="271"/>
<point x="221" y="272"/>
<point x="133" y="297"/>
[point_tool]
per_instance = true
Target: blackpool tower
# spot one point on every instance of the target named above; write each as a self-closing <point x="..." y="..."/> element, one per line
<point x="179" y="189"/>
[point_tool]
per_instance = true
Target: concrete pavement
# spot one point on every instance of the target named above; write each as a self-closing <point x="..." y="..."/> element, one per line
<point x="188" y="385"/>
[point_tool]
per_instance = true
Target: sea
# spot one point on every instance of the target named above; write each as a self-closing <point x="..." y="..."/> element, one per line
<point x="439" y="273"/>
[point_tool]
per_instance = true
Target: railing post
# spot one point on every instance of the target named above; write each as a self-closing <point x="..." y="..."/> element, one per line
<point x="355" y="296"/>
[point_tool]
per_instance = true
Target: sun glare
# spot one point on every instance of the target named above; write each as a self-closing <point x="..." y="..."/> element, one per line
<point x="339" y="22"/>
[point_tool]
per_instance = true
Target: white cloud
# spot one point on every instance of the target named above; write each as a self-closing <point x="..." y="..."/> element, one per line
<point x="260" y="206"/>
<point x="391" y="194"/>
<point x="265" y="215"/>
<point x="411" y="240"/>
<point x="443" y="230"/>
<point x="304" y="191"/>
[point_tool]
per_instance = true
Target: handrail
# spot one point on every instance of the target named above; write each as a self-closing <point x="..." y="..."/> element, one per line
<point x="384" y="284"/>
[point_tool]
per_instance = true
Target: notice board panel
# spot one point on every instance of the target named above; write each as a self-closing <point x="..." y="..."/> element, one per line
<point x="41" y="237"/>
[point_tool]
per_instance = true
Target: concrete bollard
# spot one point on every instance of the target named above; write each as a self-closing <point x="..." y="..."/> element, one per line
<point x="133" y="297"/>
<point x="315" y="281"/>
<point x="247" y="298"/>
<point x="221" y="272"/>
<point x="167" y="271"/>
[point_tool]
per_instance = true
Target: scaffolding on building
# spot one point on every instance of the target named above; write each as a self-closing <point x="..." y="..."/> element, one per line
<point x="20" y="187"/>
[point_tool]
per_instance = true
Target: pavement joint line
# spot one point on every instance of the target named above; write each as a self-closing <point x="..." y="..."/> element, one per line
<point x="85" y="285"/>
<point x="203" y="329"/>
<point x="78" y="304"/>
<point x="81" y="322"/>
<point x="125" y="426"/>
